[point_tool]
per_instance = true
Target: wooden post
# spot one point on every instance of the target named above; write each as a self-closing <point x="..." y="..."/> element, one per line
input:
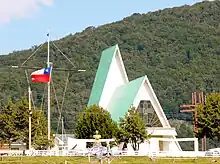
<point x="192" y="108"/>
<point x="204" y="143"/>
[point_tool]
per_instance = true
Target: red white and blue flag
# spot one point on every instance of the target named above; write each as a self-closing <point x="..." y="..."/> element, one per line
<point x="42" y="75"/>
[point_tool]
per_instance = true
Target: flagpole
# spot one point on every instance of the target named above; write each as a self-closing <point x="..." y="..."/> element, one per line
<point x="29" y="110"/>
<point x="29" y="101"/>
<point x="48" y="84"/>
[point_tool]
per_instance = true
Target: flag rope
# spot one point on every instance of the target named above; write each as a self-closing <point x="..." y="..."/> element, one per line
<point x="64" y="55"/>
<point x="31" y="55"/>
<point x="60" y="108"/>
<point x="64" y="92"/>
<point x="26" y="74"/>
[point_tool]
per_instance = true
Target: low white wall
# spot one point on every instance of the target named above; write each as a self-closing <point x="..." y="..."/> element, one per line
<point x="160" y="154"/>
<point x="18" y="147"/>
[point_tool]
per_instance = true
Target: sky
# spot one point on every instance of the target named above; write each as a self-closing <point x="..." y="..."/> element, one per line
<point x="24" y="23"/>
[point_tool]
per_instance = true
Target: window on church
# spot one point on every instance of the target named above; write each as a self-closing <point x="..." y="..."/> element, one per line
<point x="148" y="114"/>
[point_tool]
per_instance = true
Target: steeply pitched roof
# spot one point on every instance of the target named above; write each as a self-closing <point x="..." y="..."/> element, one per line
<point x="123" y="98"/>
<point x="101" y="75"/>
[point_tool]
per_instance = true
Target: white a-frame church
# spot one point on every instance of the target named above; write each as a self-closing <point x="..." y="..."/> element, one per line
<point x="114" y="92"/>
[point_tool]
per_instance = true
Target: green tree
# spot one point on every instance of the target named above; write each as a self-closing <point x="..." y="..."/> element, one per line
<point x="209" y="117"/>
<point x="14" y="121"/>
<point x="40" y="136"/>
<point x="95" y="118"/>
<point x="132" y="129"/>
<point x="9" y="132"/>
<point x="38" y="126"/>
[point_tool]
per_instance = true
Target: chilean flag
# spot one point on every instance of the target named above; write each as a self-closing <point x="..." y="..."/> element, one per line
<point x="42" y="75"/>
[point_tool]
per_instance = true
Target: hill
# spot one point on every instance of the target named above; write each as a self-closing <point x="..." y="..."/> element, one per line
<point x="177" y="48"/>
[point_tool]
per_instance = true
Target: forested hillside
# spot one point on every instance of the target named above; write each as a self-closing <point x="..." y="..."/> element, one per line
<point x="178" y="49"/>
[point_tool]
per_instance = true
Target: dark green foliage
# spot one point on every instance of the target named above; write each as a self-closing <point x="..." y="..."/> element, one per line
<point x="209" y="117"/>
<point x="211" y="143"/>
<point x="14" y="125"/>
<point x="8" y="115"/>
<point x="92" y="119"/>
<point x="178" y="49"/>
<point x="132" y="129"/>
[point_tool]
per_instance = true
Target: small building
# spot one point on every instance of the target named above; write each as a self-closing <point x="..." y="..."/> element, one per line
<point x="114" y="92"/>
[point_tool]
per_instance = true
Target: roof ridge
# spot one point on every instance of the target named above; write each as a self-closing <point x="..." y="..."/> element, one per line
<point x="101" y="74"/>
<point x="137" y="78"/>
<point x="109" y="48"/>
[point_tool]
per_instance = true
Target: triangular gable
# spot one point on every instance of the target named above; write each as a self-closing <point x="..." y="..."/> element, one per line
<point x="110" y="74"/>
<point x="130" y="95"/>
<point x="146" y="92"/>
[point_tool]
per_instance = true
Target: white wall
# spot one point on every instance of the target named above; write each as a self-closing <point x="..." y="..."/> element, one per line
<point x="142" y="95"/>
<point x="161" y="131"/>
<point x="144" y="147"/>
<point x="174" y="145"/>
<point x="116" y="77"/>
<point x="154" y="145"/>
<point x="81" y="144"/>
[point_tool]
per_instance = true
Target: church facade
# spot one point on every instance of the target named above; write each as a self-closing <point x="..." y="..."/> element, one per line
<point x="113" y="91"/>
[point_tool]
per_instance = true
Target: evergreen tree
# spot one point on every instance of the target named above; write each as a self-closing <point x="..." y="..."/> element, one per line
<point x="14" y="124"/>
<point x="9" y="132"/>
<point x="95" y="118"/>
<point x="132" y="129"/>
<point x="209" y="117"/>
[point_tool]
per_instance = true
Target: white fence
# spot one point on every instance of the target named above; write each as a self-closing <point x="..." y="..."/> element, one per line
<point x="86" y="153"/>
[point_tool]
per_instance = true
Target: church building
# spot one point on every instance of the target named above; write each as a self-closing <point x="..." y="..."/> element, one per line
<point x="114" y="92"/>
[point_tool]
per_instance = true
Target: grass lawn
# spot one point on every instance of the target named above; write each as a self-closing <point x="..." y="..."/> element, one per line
<point x="84" y="160"/>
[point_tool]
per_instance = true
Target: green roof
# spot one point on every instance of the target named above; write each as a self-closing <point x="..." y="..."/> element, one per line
<point x="101" y="75"/>
<point x="123" y="98"/>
